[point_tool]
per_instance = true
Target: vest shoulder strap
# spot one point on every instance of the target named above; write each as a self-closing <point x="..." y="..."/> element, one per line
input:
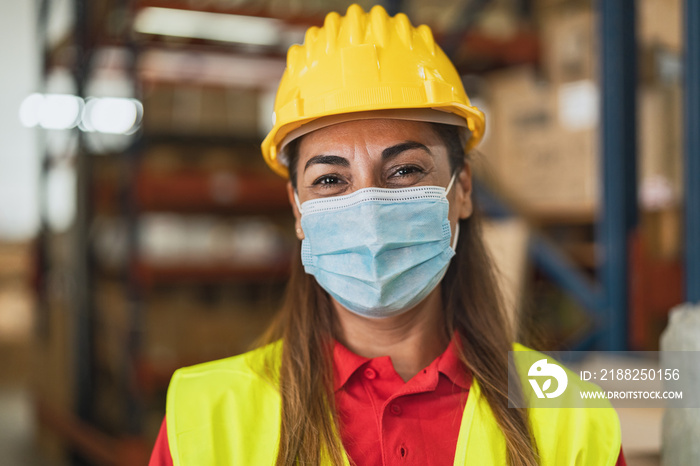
<point x="572" y="436"/>
<point x="224" y="412"/>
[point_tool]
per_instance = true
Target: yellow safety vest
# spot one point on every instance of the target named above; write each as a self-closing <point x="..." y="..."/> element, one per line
<point x="224" y="413"/>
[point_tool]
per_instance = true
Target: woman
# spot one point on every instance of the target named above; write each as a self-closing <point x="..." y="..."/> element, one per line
<point x="392" y="344"/>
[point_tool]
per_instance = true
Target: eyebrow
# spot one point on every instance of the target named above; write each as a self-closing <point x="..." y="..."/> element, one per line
<point x="387" y="153"/>
<point x="327" y="160"/>
<point x="395" y="150"/>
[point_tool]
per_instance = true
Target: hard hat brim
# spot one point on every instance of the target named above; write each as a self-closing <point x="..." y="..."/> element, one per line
<point x="470" y="118"/>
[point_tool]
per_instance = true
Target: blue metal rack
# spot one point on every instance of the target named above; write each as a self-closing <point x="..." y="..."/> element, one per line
<point x="618" y="215"/>
<point x="607" y="301"/>
<point x="692" y="150"/>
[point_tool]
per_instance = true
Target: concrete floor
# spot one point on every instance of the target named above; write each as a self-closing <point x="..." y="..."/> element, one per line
<point x="17" y="429"/>
<point x="641" y="435"/>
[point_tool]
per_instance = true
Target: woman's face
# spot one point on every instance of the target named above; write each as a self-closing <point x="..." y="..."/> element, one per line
<point x="342" y="158"/>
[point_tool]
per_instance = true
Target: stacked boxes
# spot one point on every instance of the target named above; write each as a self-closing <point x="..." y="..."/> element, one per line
<point x="540" y="159"/>
<point x="543" y="144"/>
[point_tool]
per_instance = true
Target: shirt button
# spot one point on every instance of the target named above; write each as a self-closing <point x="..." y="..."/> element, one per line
<point x="370" y="373"/>
<point x="395" y="410"/>
<point x="402" y="452"/>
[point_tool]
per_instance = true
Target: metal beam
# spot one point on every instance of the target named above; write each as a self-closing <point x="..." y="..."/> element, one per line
<point x="692" y="150"/>
<point x="83" y="297"/>
<point x="618" y="143"/>
<point x="549" y="258"/>
<point x="561" y="270"/>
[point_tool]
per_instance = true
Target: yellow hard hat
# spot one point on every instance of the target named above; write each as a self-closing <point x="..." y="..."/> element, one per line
<point x="365" y="62"/>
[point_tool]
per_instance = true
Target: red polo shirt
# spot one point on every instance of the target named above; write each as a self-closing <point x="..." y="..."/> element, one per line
<point x="385" y="421"/>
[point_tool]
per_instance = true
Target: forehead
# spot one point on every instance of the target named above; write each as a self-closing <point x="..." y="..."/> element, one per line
<point x="368" y="133"/>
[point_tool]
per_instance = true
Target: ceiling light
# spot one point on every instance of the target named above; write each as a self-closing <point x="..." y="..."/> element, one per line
<point x="51" y="111"/>
<point x="210" y="26"/>
<point x="30" y="110"/>
<point x="112" y="115"/>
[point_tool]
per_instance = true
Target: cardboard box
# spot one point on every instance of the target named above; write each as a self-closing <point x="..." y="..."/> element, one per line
<point x="181" y="328"/>
<point x="570" y="35"/>
<point x="663" y="232"/>
<point x="540" y="160"/>
<point x="196" y="109"/>
<point x="17" y="314"/>
<point x="157" y="108"/>
<point x="660" y="22"/>
<point x="16" y="260"/>
<point x="53" y="373"/>
<point x="569" y="44"/>
<point x="164" y="159"/>
<point x="661" y="169"/>
<point x="242" y="110"/>
<point x="659" y="136"/>
<point x="507" y="242"/>
<point x="545" y="5"/>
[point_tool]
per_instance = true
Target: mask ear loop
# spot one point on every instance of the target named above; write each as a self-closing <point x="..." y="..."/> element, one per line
<point x="455" y="237"/>
<point x="296" y="201"/>
<point x="452" y="180"/>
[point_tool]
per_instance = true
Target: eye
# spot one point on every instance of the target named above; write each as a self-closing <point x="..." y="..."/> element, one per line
<point x="326" y="180"/>
<point x="407" y="170"/>
<point x="328" y="184"/>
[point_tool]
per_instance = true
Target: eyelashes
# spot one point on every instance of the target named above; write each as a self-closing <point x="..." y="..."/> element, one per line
<point x="407" y="170"/>
<point x="327" y="180"/>
<point x="334" y="178"/>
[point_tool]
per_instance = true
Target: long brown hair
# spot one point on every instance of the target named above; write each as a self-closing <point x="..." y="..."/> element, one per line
<point x="474" y="311"/>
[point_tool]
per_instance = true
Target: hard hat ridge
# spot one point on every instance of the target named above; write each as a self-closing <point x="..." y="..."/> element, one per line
<point x="332" y="27"/>
<point x="379" y="19"/>
<point x="404" y="29"/>
<point x="354" y="26"/>
<point x="338" y="32"/>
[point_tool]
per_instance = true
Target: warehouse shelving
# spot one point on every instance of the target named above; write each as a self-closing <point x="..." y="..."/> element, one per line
<point x="629" y="284"/>
<point x="196" y="192"/>
<point x="133" y="192"/>
<point x="137" y="192"/>
<point x="150" y="275"/>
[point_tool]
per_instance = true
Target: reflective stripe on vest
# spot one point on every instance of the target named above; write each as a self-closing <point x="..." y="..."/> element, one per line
<point x="225" y="413"/>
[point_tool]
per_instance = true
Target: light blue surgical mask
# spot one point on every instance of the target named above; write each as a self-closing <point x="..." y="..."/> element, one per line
<point x="378" y="251"/>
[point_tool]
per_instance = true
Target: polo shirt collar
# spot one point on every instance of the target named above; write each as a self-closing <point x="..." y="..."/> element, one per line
<point x="346" y="363"/>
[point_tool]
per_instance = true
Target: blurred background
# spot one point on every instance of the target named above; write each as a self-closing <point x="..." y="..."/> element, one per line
<point x="140" y="230"/>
